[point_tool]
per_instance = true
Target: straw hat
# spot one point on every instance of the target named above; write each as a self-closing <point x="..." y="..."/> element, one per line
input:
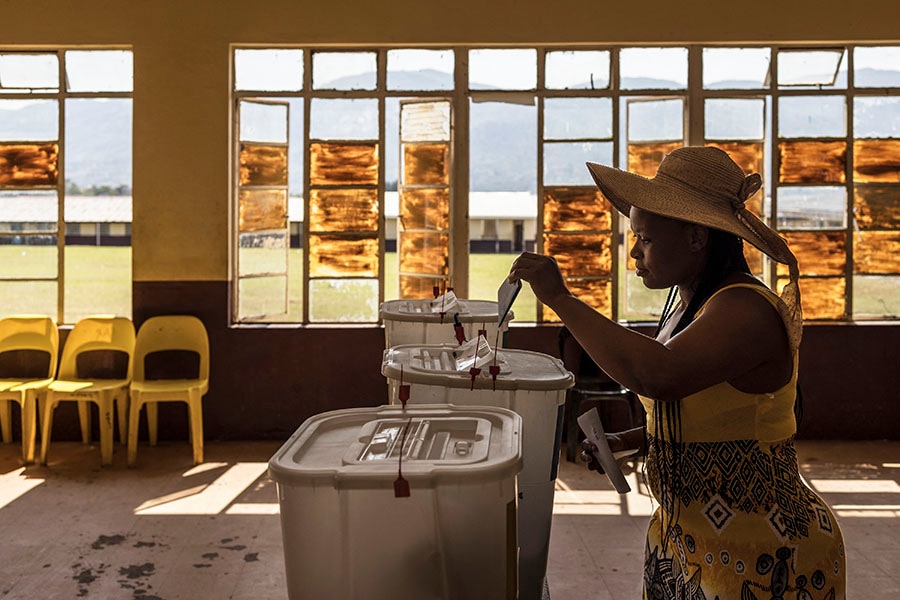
<point x="703" y="185"/>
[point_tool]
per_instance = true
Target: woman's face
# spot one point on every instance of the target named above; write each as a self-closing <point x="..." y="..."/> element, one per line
<point x="664" y="250"/>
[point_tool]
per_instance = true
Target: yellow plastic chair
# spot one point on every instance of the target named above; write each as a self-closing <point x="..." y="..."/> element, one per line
<point x="29" y="373"/>
<point x="162" y="334"/>
<point x="107" y="335"/>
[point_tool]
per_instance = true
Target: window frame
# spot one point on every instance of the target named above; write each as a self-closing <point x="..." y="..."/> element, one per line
<point x="694" y="97"/>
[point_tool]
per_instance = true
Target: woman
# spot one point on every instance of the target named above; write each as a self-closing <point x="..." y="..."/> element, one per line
<point x="718" y="383"/>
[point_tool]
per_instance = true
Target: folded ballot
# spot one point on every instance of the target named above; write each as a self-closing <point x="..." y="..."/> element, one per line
<point x="593" y="428"/>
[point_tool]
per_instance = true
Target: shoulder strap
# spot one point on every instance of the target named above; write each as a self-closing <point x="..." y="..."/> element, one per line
<point x="763" y="291"/>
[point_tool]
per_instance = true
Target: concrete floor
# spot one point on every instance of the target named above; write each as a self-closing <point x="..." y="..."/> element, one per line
<point x="168" y="530"/>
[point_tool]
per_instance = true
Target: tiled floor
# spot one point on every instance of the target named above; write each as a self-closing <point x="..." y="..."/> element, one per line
<point x="167" y="530"/>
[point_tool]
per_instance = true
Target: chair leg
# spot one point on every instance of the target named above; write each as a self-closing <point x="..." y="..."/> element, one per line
<point x="152" y="421"/>
<point x="46" y="427"/>
<point x="105" y="408"/>
<point x="84" y="418"/>
<point x="196" y="412"/>
<point x="6" y="420"/>
<point x="121" y="403"/>
<point x="29" y="425"/>
<point x="134" y="415"/>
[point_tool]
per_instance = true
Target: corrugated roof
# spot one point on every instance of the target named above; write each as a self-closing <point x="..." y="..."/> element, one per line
<point x="79" y="209"/>
<point x="117" y="209"/>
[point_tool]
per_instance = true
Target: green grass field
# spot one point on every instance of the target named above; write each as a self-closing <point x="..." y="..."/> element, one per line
<point x="98" y="280"/>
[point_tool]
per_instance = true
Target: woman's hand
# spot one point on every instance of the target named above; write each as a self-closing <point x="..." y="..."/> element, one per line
<point x="542" y="273"/>
<point x="616" y="444"/>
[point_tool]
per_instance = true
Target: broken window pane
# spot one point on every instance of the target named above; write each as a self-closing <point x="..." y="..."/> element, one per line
<point x="735" y="119"/>
<point x="29" y="120"/>
<point x="31" y="211"/>
<point x="262" y="296"/>
<point x="812" y="208"/>
<point x="876" y="206"/>
<point x="263" y="122"/>
<point x="876" y="296"/>
<point x="262" y="209"/>
<point x="876" y="161"/>
<point x="417" y="69"/>
<point x="876" y="116"/>
<point x="343" y="119"/>
<point x="824" y="68"/>
<point x="343" y="300"/>
<point x="576" y="208"/>
<point x="28" y="165"/>
<point x="644" y="159"/>
<point x="819" y="253"/>
<point x="653" y="68"/>
<point x="876" y="252"/>
<point x="262" y="253"/>
<point x="424" y="252"/>
<point x="812" y="116"/>
<point x="564" y="161"/>
<point x="577" y="118"/>
<point x="29" y="257"/>
<point x="736" y="68"/>
<point x="29" y="297"/>
<point x="343" y="210"/>
<point x="876" y="66"/>
<point x="655" y="120"/>
<point x="270" y="70"/>
<point x="503" y="69"/>
<point x="516" y="125"/>
<point x="90" y="119"/>
<point x="343" y="164"/>
<point x="263" y="164"/>
<point x="812" y="162"/>
<point x="342" y="256"/>
<point x="99" y="71"/>
<point x="344" y="70"/>
<point x="426" y="164"/>
<point x="425" y="209"/>
<point x="21" y="71"/>
<point x="580" y="255"/>
<point x="576" y="70"/>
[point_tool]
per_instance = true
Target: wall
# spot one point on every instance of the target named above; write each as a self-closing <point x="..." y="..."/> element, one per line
<point x="266" y="381"/>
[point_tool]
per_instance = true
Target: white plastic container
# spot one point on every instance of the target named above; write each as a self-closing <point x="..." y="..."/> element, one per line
<point x="347" y="535"/>
<point x="421" y="321"/>
<point x="530" y="383"/>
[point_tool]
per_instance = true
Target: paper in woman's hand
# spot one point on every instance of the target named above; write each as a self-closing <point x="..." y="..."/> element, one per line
<point x="593" y="428"/>
<point x="506" y="295"/>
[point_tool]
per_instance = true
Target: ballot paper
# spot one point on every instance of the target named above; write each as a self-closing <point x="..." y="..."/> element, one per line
<point x="473" y="353"/>
<point x="506" y="295"/>
<point x="593" y="428"/>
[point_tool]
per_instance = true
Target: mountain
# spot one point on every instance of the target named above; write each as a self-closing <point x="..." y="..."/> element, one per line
<point x="502" y="135"/>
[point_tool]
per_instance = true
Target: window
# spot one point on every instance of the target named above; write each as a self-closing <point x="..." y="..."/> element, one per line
<point x="408" y="170"/>
<point x="65" y="182"/>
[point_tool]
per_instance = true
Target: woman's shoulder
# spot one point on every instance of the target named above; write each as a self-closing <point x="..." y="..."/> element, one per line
<point x="744" y="285"/>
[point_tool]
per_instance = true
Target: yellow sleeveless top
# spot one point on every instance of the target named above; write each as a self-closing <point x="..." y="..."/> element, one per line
<point x="722" y="412"/>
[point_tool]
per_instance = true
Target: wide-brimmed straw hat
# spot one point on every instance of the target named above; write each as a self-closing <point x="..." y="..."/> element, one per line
<point x="704" y="185"/>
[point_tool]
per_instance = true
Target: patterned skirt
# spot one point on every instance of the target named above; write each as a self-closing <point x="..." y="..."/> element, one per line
<point x="736" y="521"/>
